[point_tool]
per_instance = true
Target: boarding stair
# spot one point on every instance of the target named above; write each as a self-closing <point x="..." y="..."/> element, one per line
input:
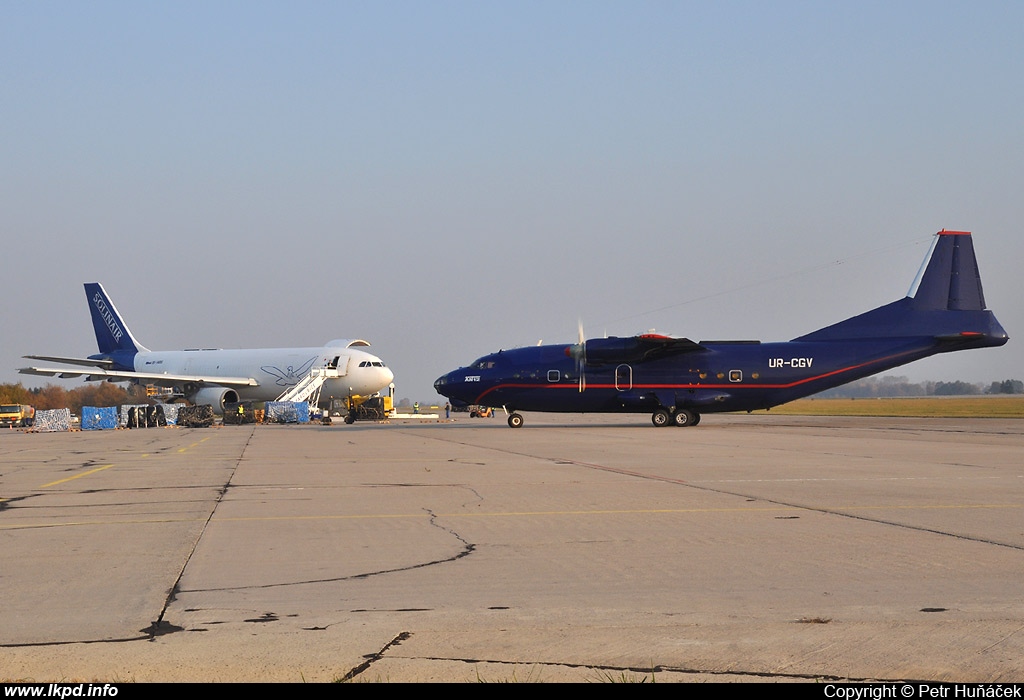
<point x="308" y="388"/>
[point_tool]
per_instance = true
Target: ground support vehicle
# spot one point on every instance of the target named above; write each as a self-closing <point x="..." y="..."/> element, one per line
<point x="16" y="416"/>
<point x="353" y="408"/>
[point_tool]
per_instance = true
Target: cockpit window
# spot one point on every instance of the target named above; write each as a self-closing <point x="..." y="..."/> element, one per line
<point x="371" y="363"/>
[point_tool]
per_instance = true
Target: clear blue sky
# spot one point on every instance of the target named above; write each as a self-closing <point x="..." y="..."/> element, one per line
<point x="445" y="179"/>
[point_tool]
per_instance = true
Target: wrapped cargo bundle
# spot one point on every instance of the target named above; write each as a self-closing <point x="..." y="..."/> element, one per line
<point x="195" y="416"/>
<point x="128" y="416"/>
<point x="94" y="418"/>
<point x="170" y="412"/>
<point x="282" y="412"/>
<point x="53" y="420"/>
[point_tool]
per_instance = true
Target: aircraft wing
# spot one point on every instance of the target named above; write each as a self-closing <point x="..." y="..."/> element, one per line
<point x="156" y="378"/>
<point x="638" y="348"/>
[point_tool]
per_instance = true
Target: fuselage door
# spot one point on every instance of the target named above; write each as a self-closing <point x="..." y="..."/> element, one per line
<point x="623" y="378"/>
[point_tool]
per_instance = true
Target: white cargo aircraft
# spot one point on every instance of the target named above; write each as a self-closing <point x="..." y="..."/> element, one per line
<point x="216" y="377"/>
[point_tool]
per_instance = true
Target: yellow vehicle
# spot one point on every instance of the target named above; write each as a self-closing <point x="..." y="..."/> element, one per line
<point x="351" y="409"/>
<point x="17" y="416"/>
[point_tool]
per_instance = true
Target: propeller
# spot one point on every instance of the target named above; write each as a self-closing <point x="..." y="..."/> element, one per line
<point x="579" y="353"/>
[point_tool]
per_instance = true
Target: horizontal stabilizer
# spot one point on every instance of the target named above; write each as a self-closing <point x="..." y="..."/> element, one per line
<point x="80" y="361"/>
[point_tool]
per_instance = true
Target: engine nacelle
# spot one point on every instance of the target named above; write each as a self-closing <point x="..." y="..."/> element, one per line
<point x="601" y="351"/>
<point x="215" y="396"/>
<point x="648" y="346"/>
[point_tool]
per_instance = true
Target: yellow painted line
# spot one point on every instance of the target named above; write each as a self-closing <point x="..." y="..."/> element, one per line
<point x="935" y="507"/>
<point x="80" y="523"/>
<point x="373" y="516"/>
<point x="107" y="466"/>
<point x="407" y="516"/>
<point x="646" y="511"/>
<point x="509" y="514"/>
<point x="77" y="476"/>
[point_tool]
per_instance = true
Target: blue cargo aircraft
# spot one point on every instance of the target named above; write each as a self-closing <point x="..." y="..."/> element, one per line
<point x="676" y="379"/>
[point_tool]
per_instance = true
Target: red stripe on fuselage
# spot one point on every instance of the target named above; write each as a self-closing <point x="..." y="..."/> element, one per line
<point x="736" y="385"/>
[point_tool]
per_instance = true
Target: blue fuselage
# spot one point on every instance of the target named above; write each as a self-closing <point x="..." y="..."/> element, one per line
<point x="721" y="376"/>
<point x="678" y="379"/>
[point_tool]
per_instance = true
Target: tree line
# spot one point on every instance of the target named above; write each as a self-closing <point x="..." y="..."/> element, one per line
<point x="883" y="387"/>
<point x="98" y="394"/>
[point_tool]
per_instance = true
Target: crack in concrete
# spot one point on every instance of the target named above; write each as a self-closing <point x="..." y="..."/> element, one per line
<point x="146" y="636"/>
<point x="160" y="628"/>
<point x="605" y="668"/>
<point x="467" y="549"/>
<point x="375" y="657"/>
<point x="749" y="497"/>
<point x="6" y="503"/>
<point x="176" y="587"/>
<point x="649" y="670"/>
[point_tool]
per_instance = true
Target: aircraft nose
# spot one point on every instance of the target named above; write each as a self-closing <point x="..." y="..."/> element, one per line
<point x="441" y="385"/>
<point x="370" y="375"/>
<point x="381" y="374"/>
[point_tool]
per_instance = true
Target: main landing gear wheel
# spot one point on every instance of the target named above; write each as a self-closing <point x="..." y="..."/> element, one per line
<point x="683" y="418"/>
<point x="515" y="420"/>
<point x="661" y="418"/>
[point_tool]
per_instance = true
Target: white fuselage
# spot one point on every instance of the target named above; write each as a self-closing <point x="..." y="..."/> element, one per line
<point x="274" y="369"/>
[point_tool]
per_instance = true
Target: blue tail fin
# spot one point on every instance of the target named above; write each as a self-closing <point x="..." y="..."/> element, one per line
<point x="112" y="335"/>
<point x="945" y="302"/>
<point x="949" y="279"/>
